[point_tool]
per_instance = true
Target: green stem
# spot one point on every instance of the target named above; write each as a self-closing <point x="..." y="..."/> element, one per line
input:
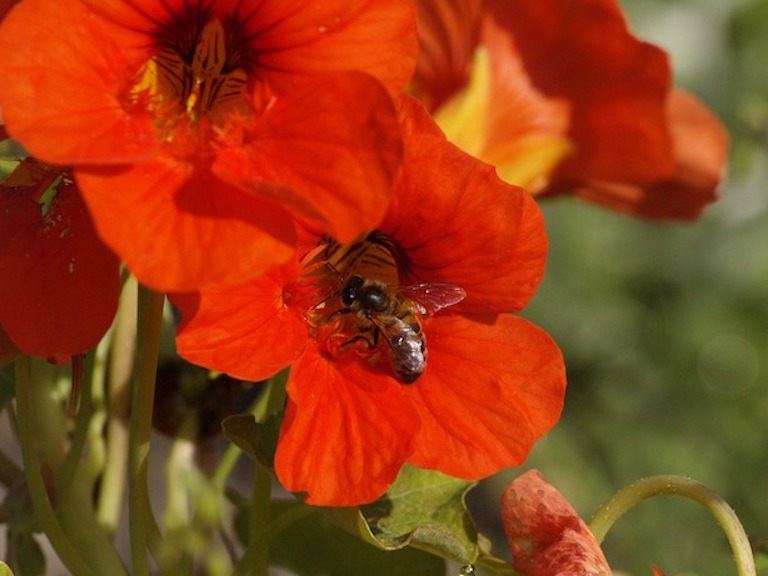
<point x="259" y="520"/>
<point x="225" y="466"/>
<point x="256" y="560"/>
<point x="36" y="485"/>
<point x="141" y="520"/>
<point x="676" y="485"/>
<point x="84" y="412"/>
<point x="118" y="408"/>
<point x="179" y="469"/>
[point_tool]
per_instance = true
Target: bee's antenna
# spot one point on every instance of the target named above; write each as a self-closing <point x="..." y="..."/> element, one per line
<point x="336" y="271"/>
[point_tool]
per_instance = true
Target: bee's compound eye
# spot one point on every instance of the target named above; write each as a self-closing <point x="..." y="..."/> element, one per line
<point x="350" y="292"/>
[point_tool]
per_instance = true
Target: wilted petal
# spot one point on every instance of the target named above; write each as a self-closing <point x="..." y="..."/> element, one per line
<point x="60" y="284"/>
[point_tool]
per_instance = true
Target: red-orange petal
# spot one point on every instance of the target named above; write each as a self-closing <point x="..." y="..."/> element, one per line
<point x="60" y="283"/>
<point x="448" y="35"/>
<point x="347" y="432"/>
<point x="582" y="51"/>
<point x="700" y="152"/>
<point x="328" y="151"/>
<point x="546" y="536"/>
<point x="492" y="388"/>
<point x="245" y="330"/>
<point x="65" y="81"/>
<point x="458" y="223"/>
<point x="378" y="38"/>
<point x="178" y="227"/>
<point x="5" y="7"/>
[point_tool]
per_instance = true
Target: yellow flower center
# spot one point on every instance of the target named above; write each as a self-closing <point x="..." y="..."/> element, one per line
<point x="529" y="151"/>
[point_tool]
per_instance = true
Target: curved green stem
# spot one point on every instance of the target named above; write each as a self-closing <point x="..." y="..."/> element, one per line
<point x="141" y="521"/>
<point x="49" y="523"/>
<point x="676" y="485"/>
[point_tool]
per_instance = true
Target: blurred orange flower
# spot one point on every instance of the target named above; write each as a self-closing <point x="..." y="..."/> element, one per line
<point x="360" y="320"/>
<point x="200" y="131"/>
<point x="564" y="100"/>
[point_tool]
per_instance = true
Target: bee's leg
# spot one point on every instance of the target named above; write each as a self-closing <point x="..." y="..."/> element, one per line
<point x="371" y="340"/>
<point x="341" y="311"/>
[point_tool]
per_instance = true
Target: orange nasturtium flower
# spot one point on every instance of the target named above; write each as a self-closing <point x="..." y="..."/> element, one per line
<point x="493" y="383"/>
<point x="59" y="284"/>
<point x="546" y="536"/>
<point x="200" y="131"/>
<point x="564" y="100"/>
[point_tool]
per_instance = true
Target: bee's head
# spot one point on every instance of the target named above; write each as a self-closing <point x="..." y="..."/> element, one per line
<point x="370" y="296"/>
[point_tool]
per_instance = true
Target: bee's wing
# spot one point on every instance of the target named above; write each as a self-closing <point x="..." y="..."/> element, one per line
<point x="429" y="298"/>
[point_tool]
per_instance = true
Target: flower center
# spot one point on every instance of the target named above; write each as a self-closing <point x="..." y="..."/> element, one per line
<point x="205" y="82"/>
<point x="346" y="293"/>
<point x="352" y="299"/>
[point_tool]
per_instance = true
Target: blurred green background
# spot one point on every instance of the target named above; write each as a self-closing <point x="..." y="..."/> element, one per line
<point x="664" y="327"/>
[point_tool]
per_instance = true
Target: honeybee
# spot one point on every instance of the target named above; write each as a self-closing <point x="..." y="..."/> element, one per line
<point x="395" y="313"/>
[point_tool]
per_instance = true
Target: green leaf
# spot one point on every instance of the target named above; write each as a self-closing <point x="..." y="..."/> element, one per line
<point x="424" y="509"/>
<point x="259" y="441"/>
<point x="314" y="546"/>
<point x="7" y="166"/>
